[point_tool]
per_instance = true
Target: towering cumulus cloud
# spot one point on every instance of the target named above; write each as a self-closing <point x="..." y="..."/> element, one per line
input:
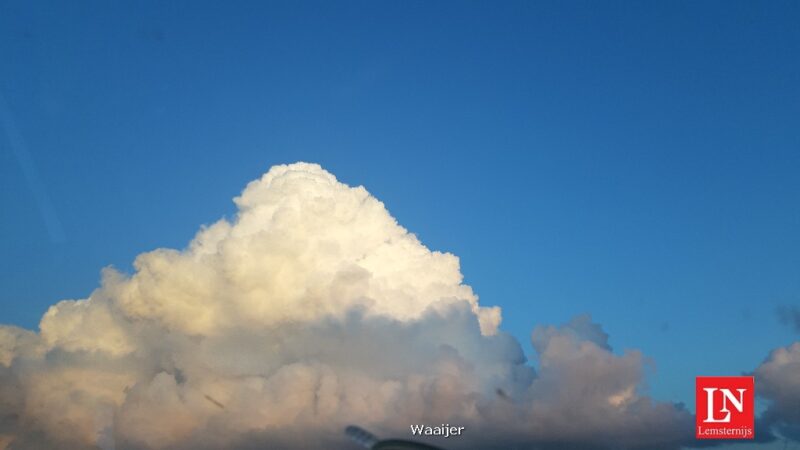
<point x="311" y="310"/>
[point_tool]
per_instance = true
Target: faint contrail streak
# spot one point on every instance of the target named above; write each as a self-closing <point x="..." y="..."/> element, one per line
<point x="18" y="147"/>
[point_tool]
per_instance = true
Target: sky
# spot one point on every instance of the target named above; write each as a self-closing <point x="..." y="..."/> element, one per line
<point x="636" y="161"/>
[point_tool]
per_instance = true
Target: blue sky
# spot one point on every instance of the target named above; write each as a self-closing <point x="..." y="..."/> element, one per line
<point x="634" y="160"/>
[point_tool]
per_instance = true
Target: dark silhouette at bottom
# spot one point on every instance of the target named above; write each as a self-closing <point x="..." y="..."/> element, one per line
<point x="370" y="441"/>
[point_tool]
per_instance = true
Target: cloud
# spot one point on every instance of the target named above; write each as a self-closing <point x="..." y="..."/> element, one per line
<point x="312" y="309"/>
<point x="585" y="391"/>
<point x="777" y="381"/>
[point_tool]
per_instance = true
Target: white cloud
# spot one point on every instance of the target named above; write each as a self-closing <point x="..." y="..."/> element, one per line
<point x="778" y="381"/>
<point x="311" y="310"/>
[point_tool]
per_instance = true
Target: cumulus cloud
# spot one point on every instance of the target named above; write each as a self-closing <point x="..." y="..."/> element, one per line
<point x="312" y="309"/>
<point x="778" y="381"/>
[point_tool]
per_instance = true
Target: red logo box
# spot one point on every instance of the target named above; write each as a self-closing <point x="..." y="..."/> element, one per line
<point x="725" y="408"/>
